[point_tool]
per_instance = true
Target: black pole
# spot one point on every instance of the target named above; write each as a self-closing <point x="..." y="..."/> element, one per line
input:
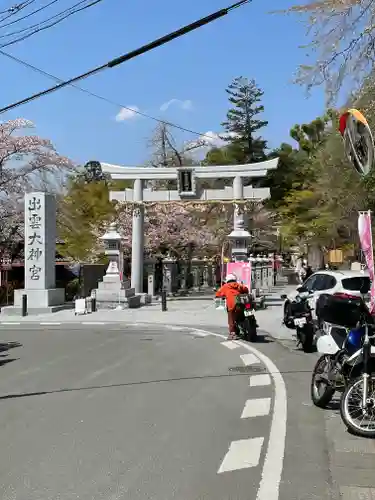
<point x="163" y="299"/>
<point x="24" y="305"/>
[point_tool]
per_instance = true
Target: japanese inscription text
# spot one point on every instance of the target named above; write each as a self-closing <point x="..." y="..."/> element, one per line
<point x="34" y="243"/>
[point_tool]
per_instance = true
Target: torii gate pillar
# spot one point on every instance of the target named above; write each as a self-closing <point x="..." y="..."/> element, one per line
<point x="188" y="188"/>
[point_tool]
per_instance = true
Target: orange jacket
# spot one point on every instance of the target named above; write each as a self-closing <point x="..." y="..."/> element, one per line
<point x="229" y="291"/>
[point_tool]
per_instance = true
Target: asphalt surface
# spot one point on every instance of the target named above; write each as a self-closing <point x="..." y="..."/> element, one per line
<point x="161" y="413"/>
<point x="141" y="414"/>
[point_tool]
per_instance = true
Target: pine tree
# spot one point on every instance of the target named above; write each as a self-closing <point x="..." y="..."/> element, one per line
<point x="92" y="172"/>
<point x="242" y="122"/>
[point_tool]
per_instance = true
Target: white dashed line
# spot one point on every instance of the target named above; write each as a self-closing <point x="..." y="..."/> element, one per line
<point x="92" y="323"/>
<point x="260" y="380"/>
<point x="256" y="408"/>
<point x="230" y="344"/>
<point x="49" y="324"/>
<point x="274" y="460"/>
<point x="249" y="359"/>
<point x="10" y="323"/>
<point x="199" y="333"/>
<point x="242" y="454"/>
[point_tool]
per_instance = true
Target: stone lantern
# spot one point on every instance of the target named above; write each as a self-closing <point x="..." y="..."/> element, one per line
<point x="112" y="293"/>
<point x="112" y="243"/>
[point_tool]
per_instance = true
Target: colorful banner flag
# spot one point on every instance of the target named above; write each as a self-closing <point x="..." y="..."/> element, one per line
<point x="243" y="272"/>
<point x="365" y="237"/>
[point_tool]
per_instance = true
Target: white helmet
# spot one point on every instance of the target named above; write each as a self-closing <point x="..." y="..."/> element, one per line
<point x="230" y="277"/>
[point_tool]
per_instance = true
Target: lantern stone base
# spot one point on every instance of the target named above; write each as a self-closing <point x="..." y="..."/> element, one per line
<point x="111" y="294"/>
<point x="38" y="302"/>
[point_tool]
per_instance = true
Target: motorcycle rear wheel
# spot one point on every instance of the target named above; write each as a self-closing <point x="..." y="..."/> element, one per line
<point x="321" y="396"/>
<point x="250" y="329"/>
<point x="347" y="414"/>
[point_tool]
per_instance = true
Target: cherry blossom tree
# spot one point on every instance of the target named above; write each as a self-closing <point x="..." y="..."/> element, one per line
<point x="183" y="228"/>
<point x="170" y="228"/>
<point x="26" y="162"/>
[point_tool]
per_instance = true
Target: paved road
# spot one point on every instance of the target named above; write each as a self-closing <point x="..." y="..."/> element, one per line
<point x="168" y="413"/>
<point x="143" y="414"/>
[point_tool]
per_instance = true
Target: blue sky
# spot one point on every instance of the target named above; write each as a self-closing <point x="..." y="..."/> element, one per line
<point x="194" y="70"/>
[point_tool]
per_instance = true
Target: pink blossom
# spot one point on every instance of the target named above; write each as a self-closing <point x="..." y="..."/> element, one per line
<point x="176" y="227"/>
<point x="27" y="162"/>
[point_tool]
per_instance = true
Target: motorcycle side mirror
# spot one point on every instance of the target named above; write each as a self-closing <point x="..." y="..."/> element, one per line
<point x="283" y="296"/>
<point x="301" y="288"/>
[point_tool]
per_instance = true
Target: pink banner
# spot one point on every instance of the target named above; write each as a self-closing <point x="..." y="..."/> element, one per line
<point x="365" y="237"/>
<point x="243" y="272"/>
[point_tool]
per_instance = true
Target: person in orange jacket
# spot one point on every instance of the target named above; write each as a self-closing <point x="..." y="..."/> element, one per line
<point x="230" y="290"/>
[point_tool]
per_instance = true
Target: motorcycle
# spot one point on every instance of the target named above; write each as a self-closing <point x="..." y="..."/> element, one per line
<point x="357" y="406"/>
<point x="247" y="323"/>
<point x="300" y="318"/>
<point x="333" y="370"/>
<point x="340" y="341"/>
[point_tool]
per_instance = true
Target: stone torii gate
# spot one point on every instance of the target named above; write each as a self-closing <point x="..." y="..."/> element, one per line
<point x="187" y="178"/>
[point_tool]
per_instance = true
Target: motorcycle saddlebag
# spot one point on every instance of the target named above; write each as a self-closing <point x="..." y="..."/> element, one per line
<point x="341" y="311"/>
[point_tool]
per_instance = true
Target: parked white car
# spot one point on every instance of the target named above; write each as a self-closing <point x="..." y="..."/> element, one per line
<point x="344" y="283"/>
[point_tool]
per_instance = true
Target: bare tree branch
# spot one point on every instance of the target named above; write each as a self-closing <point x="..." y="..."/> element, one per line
<point x="342" y="44"/>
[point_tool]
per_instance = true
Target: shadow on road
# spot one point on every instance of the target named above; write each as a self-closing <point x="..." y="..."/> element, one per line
<point x="334" y="405"/>
<point x="5" y="361"/>
<point x="130" y="384"/>
<point x="263" y="339"/>
<point x="6" y="346"/>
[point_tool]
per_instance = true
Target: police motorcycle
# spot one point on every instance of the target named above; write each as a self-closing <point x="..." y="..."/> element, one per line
<point x="246" y="322"/>
<point x="299" y="317"/>
<point x="346" y="354"/>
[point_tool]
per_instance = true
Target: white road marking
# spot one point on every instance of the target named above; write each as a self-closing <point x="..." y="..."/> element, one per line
<point x="356" y="492"/>
<point x="274" y="460"/>
<point x="256" y="408"/>
<point x="199" y="333"/>
<point x="260" y="380"/>
<point x="92" y="323"/>
<point x="249" y="359"/>
<point x="230" y="344"/>
<point x="49" y="324"/>
<point x="242" y="455"/>
<point x="8" y="323"/>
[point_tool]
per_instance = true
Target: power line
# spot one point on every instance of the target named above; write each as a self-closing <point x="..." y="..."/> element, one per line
<point x="12" y="11"/>
<point x="131" y="55"/>
<point x="26" y="15"/>
<point x="98" y="96"/>
<point x="44" y="24"/>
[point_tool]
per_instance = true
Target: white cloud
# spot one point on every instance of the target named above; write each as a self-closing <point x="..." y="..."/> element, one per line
<point x="209" y="140"/>
<point x="126" y="113"/>
<point x="186" y="105"/>
<point x="205" y="142"/>
<point x="212" y="139"/>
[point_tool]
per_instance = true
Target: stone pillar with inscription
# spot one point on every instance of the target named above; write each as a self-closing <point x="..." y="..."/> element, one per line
<point x="39" y="258"/>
